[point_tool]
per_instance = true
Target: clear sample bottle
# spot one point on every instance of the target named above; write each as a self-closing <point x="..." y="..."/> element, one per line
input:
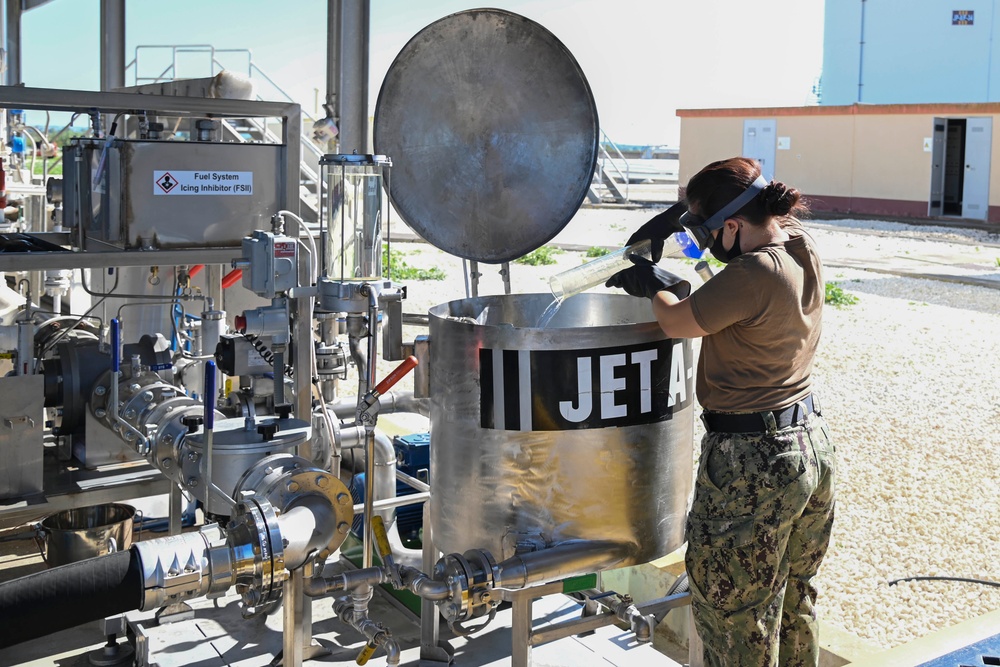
<point x="596" y="272"/>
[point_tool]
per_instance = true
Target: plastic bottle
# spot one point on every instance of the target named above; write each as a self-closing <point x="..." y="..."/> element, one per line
<point x="680" y="244"/>
<point x="596" y="272"/>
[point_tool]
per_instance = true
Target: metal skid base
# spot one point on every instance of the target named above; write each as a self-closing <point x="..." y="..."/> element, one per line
<point x="217" y="635"/>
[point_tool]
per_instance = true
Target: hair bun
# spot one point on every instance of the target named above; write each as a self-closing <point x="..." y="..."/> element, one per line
<point x="778" y="198"/>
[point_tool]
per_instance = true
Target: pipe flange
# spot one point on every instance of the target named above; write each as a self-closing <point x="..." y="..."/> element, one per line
<point x="284" y="479"/>
<point x="257" y="553"/>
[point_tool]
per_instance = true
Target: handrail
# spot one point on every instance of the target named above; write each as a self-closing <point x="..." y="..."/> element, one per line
<point x="252" y="71"/>
<point x="606" y="159"/>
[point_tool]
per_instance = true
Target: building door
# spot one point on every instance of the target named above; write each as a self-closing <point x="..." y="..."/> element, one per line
<point x="960" y="167"/>
<point x="976" y="185"/>
<point x="936" y="206"/>
<point x="760" y="143"/>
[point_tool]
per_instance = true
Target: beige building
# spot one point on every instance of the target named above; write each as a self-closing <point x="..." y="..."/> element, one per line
<point x="897" y="160"/>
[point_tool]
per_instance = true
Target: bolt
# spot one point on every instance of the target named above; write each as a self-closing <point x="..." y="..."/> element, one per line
<point x="284" y="542"/>
<point x="147" y="396"/>
<point x="343" y="498"/>
<point x="129" y="436"/>
<point x="134" y="387"/>
<point x="167" y="463"/>
<point x="268" y="470"/>
<point x="322" y="482"/>
<point x="342" y="528"/>
<point x="130" y="414"/>
<point x="100" y="413"/>
<point x="193" y="457"/>
<point x="293" y="486"/>
<point x="192" y="481"/>
<point x="100" y="390"/>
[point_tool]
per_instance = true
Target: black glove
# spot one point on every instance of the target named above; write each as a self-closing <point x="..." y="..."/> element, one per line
<point x="659" y="227"/>
<point x="646" y="279"/>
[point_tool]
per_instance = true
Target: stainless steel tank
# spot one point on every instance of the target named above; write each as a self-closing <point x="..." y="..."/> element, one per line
<point x="581" y="430"/>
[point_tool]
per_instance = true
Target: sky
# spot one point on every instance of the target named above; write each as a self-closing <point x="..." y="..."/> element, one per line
<point x="644" y="59"/>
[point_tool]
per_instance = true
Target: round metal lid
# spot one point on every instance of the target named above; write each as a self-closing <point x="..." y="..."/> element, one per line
<point x="493" y="133"/>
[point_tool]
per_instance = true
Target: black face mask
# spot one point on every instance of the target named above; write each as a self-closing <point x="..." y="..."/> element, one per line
<point x="720" y="253"/>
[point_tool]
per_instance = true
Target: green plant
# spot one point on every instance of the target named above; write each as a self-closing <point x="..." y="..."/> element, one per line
<point x="540" y="256"/>
<point x="54" y="169"/>
<point x="398" y="269"/>
<point x="837" y="297"/>
<point x="596" y="251"/>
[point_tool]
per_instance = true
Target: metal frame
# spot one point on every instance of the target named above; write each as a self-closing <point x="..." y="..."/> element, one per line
<point x="86" y="102"/>
<point x="63" y="489"/>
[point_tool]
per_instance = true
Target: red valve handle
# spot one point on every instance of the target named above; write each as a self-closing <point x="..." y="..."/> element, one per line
<point x="232" y="278"/>
<point x="396" y="375"/>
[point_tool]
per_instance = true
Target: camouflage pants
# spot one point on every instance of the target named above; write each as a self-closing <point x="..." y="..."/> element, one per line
<point x="758" y="529"/>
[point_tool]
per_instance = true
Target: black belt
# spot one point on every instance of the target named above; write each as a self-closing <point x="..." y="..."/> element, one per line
<point x="767" y="421"/>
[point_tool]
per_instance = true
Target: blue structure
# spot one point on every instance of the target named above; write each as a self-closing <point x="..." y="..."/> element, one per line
<point x="910" y="52"/>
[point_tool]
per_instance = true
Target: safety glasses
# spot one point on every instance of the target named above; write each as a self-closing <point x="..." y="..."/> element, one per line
<point x="701" y="229"/>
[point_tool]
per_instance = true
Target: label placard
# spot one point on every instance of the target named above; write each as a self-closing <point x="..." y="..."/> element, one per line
<point x="559" y="390"/>
<point x="170" y="182"/>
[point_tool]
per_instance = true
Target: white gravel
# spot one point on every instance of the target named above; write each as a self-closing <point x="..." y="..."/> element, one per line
<point x="908" y="379"/>
<point x="909" y="383"/>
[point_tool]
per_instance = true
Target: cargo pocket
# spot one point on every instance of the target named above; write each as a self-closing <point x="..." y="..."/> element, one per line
<point x="721" y="561"/>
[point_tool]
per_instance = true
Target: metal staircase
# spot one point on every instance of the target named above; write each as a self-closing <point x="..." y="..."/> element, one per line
<point x="191" y="67"/>
<point x="610" y="183"/>
<point x="155" y="64"/>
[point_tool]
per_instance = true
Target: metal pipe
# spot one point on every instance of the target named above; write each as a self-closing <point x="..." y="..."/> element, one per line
<point x="347" y="610"/>
<point x="382" y="480"/>
<point x="209" y="422"/>
<point x="370" y="428"/>
<point x="112" y="44"/>
<point x="389" y="402"/>
<point x="401" y="501"/>
<point x="333" y="19"/>
<point x="13" y="43"/>
<point x="412" y="482"/>
<point x="352" y="67"/>
<point x="308" y="527"/>
<point x="423" y="586"/>
<point x="560" y="562"/>
<point x="369" y="510"/>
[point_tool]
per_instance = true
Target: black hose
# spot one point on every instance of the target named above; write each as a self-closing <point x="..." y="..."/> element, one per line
<point x="984" y="582"/>
<point x="64" y="597"/>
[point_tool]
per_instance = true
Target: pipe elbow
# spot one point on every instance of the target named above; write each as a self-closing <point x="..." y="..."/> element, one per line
<point x="392" y="654"/>
<point x="423" y="586"/>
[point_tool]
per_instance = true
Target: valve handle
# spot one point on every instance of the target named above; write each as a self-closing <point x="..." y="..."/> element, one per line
<point x="396" y="375"/>
<point x="366" y="653"/>
<point x="232" y="278"/>
<point x="381" y="538"/>
<point x="116" y="342"/>
<point x="209" y="395"/>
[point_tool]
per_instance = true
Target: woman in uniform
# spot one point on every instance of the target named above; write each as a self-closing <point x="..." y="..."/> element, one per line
<point x="763" y="504"/>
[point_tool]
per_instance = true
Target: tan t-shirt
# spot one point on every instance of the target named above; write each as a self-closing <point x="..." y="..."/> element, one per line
<point x="763" y="313"/>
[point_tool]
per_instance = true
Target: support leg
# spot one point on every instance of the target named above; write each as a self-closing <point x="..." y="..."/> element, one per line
<point x="292" y="631"/>
<point x="175" y="510"/>
<point x="432" y="649"/>
<point x="520" y="631"/>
